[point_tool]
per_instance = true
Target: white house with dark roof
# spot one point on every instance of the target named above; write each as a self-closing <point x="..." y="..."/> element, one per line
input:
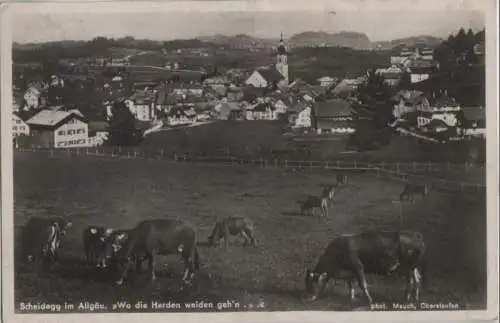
<point x="53" y="128"/>
<point x="19" y="125"/>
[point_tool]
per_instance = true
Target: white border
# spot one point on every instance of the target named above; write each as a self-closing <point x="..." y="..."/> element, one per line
<point x="490" y="8"/>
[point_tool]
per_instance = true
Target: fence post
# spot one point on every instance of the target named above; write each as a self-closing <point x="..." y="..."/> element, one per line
<point x="286" y="163"/>
<point x="397" y="168"/>
<point x="338" y="164"/>
<point x="461" y="187"/>
<point x="430" y="166"/>
<point x="275" y="163"/>
<point x="382" y="165"/>
<point x="162" y="153"/>
<point x="326" y="165"/>
<point x="355" y="164"/>
<point x="414" y="166"/>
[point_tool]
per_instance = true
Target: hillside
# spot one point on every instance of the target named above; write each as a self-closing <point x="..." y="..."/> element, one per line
<point x="342" y="39"/>
<point x="425" y="40"/>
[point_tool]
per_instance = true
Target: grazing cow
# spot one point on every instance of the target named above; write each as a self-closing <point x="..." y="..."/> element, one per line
<point x="411" y="191"/>
<point x="341" y="179"/>
<point x="233" y="225"/>
<point x="41" y="237"/>
<point x="151" y="238"/>
<point x="93" y="243"/>
<point x="352" y="256"/>
<point x="313" y="203"/>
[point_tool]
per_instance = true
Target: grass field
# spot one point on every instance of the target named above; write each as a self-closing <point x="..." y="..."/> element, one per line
<point x="119" y="193"/>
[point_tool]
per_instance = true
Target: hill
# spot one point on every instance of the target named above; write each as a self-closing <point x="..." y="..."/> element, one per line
<point x="425" y="40"/>
<point x="342" y="39"/>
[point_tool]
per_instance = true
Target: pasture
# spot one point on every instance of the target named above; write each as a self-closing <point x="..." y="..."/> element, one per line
<point x="119" y="193"/>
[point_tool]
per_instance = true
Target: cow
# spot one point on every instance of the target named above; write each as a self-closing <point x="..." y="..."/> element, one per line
<point x="313" y="203"/>
<point x="41" y="237"/>
<point x="93" y="243"/>
<point x="411" y="191"/>
<point x="151" y="238"/>
<point x="341" y="179"/>
<point x="351" y="256"/>
<point x="233" y="225"/>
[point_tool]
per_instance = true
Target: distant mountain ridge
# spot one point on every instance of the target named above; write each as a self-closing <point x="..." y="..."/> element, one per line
<point x="349" y="39"/>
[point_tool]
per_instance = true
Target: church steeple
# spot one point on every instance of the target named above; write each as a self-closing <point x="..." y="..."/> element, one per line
<point x="282" y="59"/>
<point x="281" y="46"/>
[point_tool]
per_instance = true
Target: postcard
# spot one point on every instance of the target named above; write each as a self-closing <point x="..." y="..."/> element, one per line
<point x="250" y="160"/>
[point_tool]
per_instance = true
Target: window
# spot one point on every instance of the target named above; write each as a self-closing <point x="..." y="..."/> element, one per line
<point x="60" y="133"/>
<point x="14" y="128"/>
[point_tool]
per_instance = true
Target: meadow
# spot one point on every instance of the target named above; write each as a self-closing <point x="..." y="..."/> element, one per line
<point x="118" y="193"/>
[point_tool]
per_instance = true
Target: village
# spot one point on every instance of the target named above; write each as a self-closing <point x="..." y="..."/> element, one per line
<point x="45" y="114"/>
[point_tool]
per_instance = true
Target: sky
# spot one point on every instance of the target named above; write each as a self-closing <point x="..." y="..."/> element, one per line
<point x="47" y="25"/>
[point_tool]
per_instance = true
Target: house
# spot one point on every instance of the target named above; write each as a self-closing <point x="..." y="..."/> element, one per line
<point x="421" y="70"/>
<point x="55" y="128"/>
<point x="221" y="79"/>
<point x="299" y="115"/>
<point x="444" y="109"/>
<point x="392" y="75"/>
<point x="475" y="124"/>
<point x="19" y="125"/>
<point x="234" y="93"/>
<point x="303" y="90"/>
<point x="188" y="90"/>
<point x="265" y="78"/>
<point x="142" y="105"/>
<point x="181" y="116"/>
<point x="327" y="81"/>
<point x="334" y="116"/>
<point x="410" y="102"/>
<point x="229" y="111"/>
<point x="427" y="54"/>
<point x="260" y="111"/>
<point x="346" y="86"/>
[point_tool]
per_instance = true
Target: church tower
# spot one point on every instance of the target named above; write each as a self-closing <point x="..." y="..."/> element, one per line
<point x="282" y="60"/>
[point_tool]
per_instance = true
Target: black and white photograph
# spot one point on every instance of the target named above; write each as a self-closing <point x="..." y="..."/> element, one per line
<point x="251" y="156"/>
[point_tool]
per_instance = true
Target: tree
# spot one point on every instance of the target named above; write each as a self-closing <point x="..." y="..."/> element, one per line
<point x="122" y="130"/>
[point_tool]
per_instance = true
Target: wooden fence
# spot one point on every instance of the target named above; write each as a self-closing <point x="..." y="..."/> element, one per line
<point x="395" y="171"/>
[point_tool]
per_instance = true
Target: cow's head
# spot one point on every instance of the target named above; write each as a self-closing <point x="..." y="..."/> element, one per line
<point x="314" y="283"/>
<point x="62" y="226"/>
<point x="112" y="243"/>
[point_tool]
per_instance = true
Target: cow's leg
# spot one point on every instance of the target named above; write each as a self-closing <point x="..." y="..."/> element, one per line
<point x="417" y="277"/>
<point x="138" y="264"/>
<point x="409" y="286"/>
<point x="350" y="284"/>
<point x="245" y="237"/>
<point x="125" y="271"/>
<point x="251" y="237"/>
<point x="188" y="265"/>
<point x="360" y="276"/>
<point x="152" y="264"/>
<point x="320" y="286"/>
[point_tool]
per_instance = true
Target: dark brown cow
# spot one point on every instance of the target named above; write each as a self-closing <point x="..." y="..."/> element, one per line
<point x="155" y="237"/>
<point x="351" y="257"/>
<point x="411" y="191"/>
<point x="41" y="238"/>
<point x="341" y="178"/>
<point x="233" y="225"/>
<point x="313" y="203"/>
<point x="93" y="243"/>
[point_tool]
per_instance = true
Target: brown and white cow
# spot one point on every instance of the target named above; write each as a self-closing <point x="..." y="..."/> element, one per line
<point x="351" y="256"/>
<point x="41" y="238"/>
<point x="151" y="238"/>
<point x="233" y="225"/>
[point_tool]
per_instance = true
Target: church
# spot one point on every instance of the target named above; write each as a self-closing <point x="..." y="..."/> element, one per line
<point x="272" y="76"/>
